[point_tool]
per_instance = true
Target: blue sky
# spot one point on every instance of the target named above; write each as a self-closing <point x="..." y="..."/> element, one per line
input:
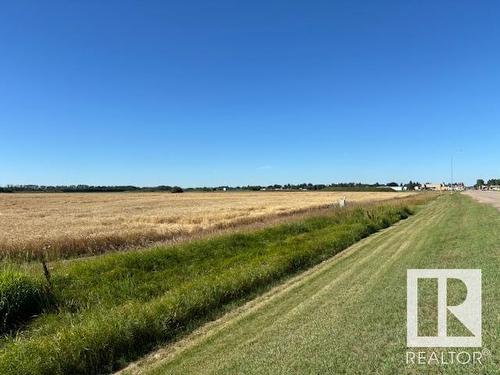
<point x="258" y="92"/>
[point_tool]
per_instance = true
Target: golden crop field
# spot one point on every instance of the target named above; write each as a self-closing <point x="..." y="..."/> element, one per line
<point x="76" y="223"/>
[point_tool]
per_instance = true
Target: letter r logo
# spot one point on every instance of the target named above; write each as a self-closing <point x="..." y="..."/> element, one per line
<point x="469" y="312"/>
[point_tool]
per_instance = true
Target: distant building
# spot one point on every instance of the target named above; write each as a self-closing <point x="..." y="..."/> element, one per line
<point x="434" y="187"/>
<point x="395" y="188"/>
<point x="459" y="186"/>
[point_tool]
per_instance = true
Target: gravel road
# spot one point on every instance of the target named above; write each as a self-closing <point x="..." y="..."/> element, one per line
<point x="491" y="197"/>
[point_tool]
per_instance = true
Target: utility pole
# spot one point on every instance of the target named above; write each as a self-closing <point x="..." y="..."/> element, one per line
<point x="458" y="151"/>
<point x="452" y="173"/>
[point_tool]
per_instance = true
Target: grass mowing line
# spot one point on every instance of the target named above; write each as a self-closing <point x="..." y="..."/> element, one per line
<point x="413" y="237"/>
<point x="296" y="286"/>
<point x="360" y="327"/>
<point x="356" y="268"/>
<point x="354" y="272"/>
<point x="353" y="267"/>
<point x="303" y="283"/>
<point x="409" y="239"/>
<point x="343" y="274"/>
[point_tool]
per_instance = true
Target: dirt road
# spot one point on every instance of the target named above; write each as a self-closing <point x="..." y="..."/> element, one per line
<point x="490" y="197"/>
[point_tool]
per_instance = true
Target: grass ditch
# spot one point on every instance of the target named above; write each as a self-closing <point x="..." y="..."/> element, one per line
<point x="114" y="307"/>
<point x="349" y="315"/>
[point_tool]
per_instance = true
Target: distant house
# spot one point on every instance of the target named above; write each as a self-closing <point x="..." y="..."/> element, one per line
<point x="459" y="186"/>
<point x="434" y="187"/>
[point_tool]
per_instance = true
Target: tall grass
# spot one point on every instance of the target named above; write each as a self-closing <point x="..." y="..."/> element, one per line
<point x="117" y="306"/>
<point x="21" y="297"/>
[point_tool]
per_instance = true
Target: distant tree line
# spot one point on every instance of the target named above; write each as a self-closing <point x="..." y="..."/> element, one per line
<point x="83" y="188"/>
<point x="492" y="181"/>
<point x="345" y="186"/>
<point x="412" y="185"/>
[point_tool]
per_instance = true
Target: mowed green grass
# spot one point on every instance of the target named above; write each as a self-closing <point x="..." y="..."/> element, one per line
<point x="115" y="307"/>
<point x="348" y="316"/>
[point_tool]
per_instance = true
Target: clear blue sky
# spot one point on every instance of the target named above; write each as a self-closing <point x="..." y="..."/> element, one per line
<point x="255" y="92"/>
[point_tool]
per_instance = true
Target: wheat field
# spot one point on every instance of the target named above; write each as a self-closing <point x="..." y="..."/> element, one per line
<point x="61" y="225"/>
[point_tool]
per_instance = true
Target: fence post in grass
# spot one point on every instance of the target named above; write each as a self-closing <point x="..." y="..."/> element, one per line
<point x="46" y="273"/>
